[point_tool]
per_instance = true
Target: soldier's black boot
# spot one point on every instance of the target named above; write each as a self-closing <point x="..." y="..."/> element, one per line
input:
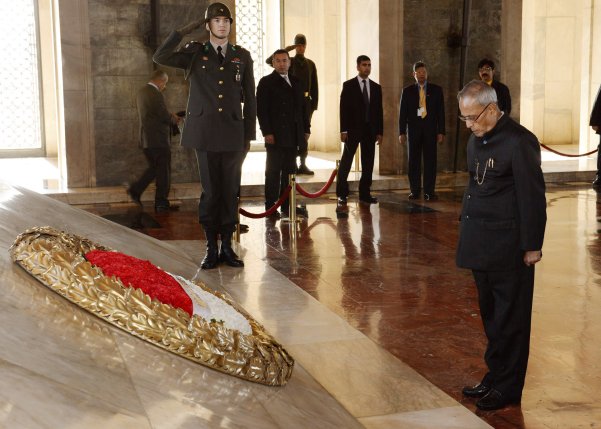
<point x="227" y="254"/>
<point x="303" y="169"/>
<point x="211" y="259"/>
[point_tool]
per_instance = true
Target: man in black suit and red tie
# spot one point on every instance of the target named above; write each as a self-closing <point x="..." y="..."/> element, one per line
<point x="361" y="122"/>
<point x="422" y="125"/>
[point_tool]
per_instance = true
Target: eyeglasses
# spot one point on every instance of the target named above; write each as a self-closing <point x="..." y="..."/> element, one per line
<point x="482" y="69"/>
<point x="471" y="118"/>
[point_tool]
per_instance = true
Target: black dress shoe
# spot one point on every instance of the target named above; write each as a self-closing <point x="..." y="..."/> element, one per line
<point x="303" y="169"/>
<point x="368" y="200"/>
<point x="134" y="196"/>
<point x="243" y="227"/>
<point x="477" y="391"/>
<point x="413" y="196"/>
<point x="230" y="258"/>
<point x="495" y="400"/>
<point x="430" y="197"/>
<point x="165" y="208"/>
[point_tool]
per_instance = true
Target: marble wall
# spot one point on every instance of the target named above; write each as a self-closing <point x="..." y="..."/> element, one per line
<point x="105" y="60"/>
<point x="415" y="30"/>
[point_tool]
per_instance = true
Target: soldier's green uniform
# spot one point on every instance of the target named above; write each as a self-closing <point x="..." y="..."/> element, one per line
<point x="220" y="122"/>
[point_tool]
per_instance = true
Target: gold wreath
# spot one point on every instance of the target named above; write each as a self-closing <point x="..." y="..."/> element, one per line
<point x="56" y="259"/>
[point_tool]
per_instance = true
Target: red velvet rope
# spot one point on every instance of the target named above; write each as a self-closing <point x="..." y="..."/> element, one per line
<point x="567" y="154"/>
<point x="271" y="210"/>
<point x="321" y="191"/>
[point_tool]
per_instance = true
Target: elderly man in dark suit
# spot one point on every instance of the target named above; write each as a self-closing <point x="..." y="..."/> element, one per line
<point x="220" y="122"/>
<point x="486" y="70"/>
<point x="422" y="125"/>
<point x="501" y="235"/>
<point x="595" y="123"/>
<point x="361" y="122"/>
<point x="155" y="130"/>
<point x="284" y="121"/>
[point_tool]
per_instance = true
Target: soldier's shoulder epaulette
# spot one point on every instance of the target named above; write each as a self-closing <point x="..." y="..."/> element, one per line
<point x="191" y="47"/>
<point x="238" y="48"/>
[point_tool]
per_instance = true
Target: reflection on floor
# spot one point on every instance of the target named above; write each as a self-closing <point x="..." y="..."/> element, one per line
<point x="389" y="271"/>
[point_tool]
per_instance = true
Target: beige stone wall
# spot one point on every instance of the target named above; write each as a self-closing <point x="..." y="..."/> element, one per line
<point x="561" y="50"/>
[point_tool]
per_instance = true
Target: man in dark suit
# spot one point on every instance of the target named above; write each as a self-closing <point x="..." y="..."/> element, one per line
<point x="595" y="123"/>
<point x="486" y="70"/>
<point x="155" y="130"/>
<point x="422" y="125"/>
<point x="220" y="122"/>
<point x="361" y="122"/>
<point x="501" y="235"/>
<point x="303" y="69"/>
<point x="284" y="121"/>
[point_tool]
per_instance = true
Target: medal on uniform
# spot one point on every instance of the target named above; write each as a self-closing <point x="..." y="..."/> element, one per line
<point x="237" y="73"/>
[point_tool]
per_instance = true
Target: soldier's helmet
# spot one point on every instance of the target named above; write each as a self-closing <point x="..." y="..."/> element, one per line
<point x="218" y="9"/>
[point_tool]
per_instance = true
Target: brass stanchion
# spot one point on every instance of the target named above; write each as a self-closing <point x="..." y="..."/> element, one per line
<point x="292" y="207"/>
<point x="335" y="197"/>
<point x="237" y="235"/>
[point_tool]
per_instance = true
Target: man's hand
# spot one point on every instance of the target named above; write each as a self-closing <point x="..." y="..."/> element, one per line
<point x="378" y="139"/>
<point x="403" y="139"/>
<point x="269" y="139"/>
<point x="246" y="146"/>
<point x="595" y="127"/>
<point x="343" y="137"/>
<point x="531" y="257"/>
<point x="290" y="48"/>
<point x="307" y="135"/>
<point x="439" y="138"/>
<point x="190" y="27"/>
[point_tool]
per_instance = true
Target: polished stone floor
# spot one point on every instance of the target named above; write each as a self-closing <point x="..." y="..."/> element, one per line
<point x="388" y="270"/>
<point x="384" y="328"/>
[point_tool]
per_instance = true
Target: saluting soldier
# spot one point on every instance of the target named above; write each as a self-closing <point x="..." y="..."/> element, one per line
<point x="220" y="122"/>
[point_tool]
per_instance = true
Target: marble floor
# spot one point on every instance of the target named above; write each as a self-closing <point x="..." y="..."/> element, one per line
<point x="388" y="271"/>
<point x="384" y="328"/>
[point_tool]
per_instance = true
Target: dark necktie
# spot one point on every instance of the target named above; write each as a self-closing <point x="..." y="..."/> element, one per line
<point x="366" y="100"/>
<point x="220" y="55"/>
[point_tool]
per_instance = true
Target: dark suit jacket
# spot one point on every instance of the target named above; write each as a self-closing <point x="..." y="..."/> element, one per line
<point x="215" y="118"/>
<point x="352" y="108"/>
<point x="155" y="119"/>
<point x="408" y="118"/>
<point x="282" y="110"/>
<point x="504" y="209"/>
<point x="503" y="96"/>
<point x="596" y="112"/>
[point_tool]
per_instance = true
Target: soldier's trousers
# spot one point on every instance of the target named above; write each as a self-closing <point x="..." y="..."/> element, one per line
<point x="220" y="174"/>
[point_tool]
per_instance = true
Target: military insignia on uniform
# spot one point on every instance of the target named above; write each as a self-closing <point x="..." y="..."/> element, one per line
<point x="205" y="58"/>
<point x="236" y="60"/>
<point x="191" y="46"/>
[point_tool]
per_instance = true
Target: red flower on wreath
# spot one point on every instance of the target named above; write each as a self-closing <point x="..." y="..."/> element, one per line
<point x="141" y="274"/>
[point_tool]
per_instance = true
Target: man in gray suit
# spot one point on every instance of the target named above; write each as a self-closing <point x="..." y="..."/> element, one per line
<point x="155" y="129"/>
<point x="217" y="125"/>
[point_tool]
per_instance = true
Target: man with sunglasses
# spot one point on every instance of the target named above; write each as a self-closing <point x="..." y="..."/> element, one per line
<point x="486" y="70"/>
<point x="501" y="235"/>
